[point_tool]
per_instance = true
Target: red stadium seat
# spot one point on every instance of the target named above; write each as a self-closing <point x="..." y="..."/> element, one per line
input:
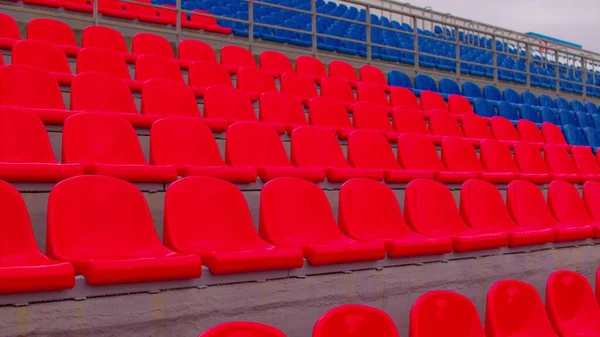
<point x="258" y="146"/>
<point x="106" y="61"/>
<point x="195" y="50"/>
<point x="372" y="74"/>
<point x="403" y="97"/>
<point x="504" y="131"/>
<point x="460" y="156"/>
<point x="210" y="217"/>
<point x="529" y="159"/>
<point x="368" y="210"/>
<point x="496" y="157"/>
<point x="108" y="145"/>
<point x="148" y="67"/>
<point x="338" y="89"/>
<point x="482" y="207"/>
<point x="417" y="153"/>
<point x="591" y="193"/>
<point x="298" y="86"/>
<point x="444" y="313"/>
<point x="275" y="63"/>
<point x="370" y="150"/>
<point x="319" y="148"/>
<point x="106" y="38"/>
<point x="330" y="114"/>
<point x="441" y="123"/>
<point x="233" y="329"/>
<point x="444" y="220"/>
<point x="373" y="93"/>
<point x="598" y="285"/>
<point x="371" y="116"/>
<point x="208" y="23"/>
<point x="30" y="88"/>
<point x="280" y="108"/>
<point x="528" y="208"/>
<point x="529" y="132"/>
<point x="45" y="56"/>
<point x="202" y="74"/>
<point x="25" y="151"/>
<point x="55" y="32"/>
<point x="118" y="243"/>
<point x="311" y="67"/>
<point x="146" y="13"/>
<point x="296" y="213"/>
<point x="459" y="106"/>
<point x="45" y="3"/>
<point x="234" y="58"/>
<point x="409" y="120"/>
<point x="9" y="31"/>
<point x="254" y="81"/>
<point x="571" y="305"/>
<point x="515" y="308"/>
<point x="115" y="8"/>
<point x="432" y="102"/>
<point x="344" y="71"/>
<point x="585" y="162"/>
<point x="476" y="127"/>
<point x="355" y="320"/>
<point x="554" y="135"/>
<point x="568" y="208"/>
<point x="559" y="161"/>
<point x="152" y="44"/>
<point x="23" y="268"/>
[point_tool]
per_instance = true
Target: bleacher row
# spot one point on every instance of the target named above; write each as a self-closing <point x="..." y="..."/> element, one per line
<point x="513" y="308"/>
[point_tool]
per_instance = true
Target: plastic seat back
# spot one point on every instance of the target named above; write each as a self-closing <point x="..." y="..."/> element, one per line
<point x="368" y="149"/>
<point x="278" y="107"/>
<point x="102" y="60"/>
<point x="29" y="87"/>
<point x="490" y="92"/>
<point x="476" y="127"/>
<point x="23" y="138"/>
<point x="337" y="89"/>
<point x="90" y="138"/>
<point x="549" y="116"/>
<point x="310" y="66"/>
<point x="527" y="205"/>
<point x="425" y="82"/>
<point x="152" y="44"/>
<point x="327" y="112"/>
<point x="195" y="50"/>
<point x="591" y="108"/>
<point x="562" y="104"/>
<point x="399" y="79"/>
<point x="371" y="74"/>
<point x="102" y="92"/>
<point x="205" y="74"/>
<point x="342" y="70"/>
<point x="148" y="67"/>
<point x="567" y="118"/>
<point x="275" y="61"/>
<point x="546" y="101"/>
<point x="529" y="132"/>
<point x="354" y="320"/>
<point x="511" y="96"/>
<point x="370" y="116"/>
<point x="403" y="97"/>
<point x="529" y="158"/>
<point x="237" y="57"/>
<point x="298" y="85"/>
<point x="496" y="157"/>
<point x="482" y="206"/>
<point x="566" y="204"/>
<point x="370" y="92"/>
<point x="254" y="145"/>
<point x="315" y="147"/>
<point x="52" y="31"/>
<point x="40" y="54"/>
<point x="484" y="108"/>
<point x="472" y="90"/>
<point x="529" y="99"/>
<point x="459" y="155"/>
<point x="255" y="80"/>
<point x="584" y="160"/>
<point x="583" y="118"/>
<point x="234" y="329"/>
<point x="577" y="106"/>
<point x="221" y="102"/>
<point x="508" y="111"/>
<point x="529" y="113"/>
<point x="515" y="308"/>
<point x="558" y="160"/>
<point x="168" y="98"/>
<point x="442" y="123"/>
<point x="591" y="193"/>
<point x="409" y="120"/>
<point x="553" y="134"/>
<point x="459" y="105"/>
<point x="450" y="87"/>
<point x="503" y="129"/>
<point x="416" y="152"/>
<point x="103" y="38"/>
<point x="571" y="305"/>
<point x="432" y="101"/>
<point x="9" y="28"/>
<point x="444" y="313"/>
<point x="574" y="135"/>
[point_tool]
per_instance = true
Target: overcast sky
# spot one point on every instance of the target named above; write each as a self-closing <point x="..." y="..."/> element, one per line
<point x="576" y="21"/>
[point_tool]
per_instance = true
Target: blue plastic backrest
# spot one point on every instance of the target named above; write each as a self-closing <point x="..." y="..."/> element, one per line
<point x="562" y="104"/>
<point x="591" y="108"/>
<point x="574" y="135"/>
<point x="484" y="108"/>
<point x="550" y="116"/>
<point x="596" y="119"/>
<point x="492" y="93"/>
<point x="567" y="118"/>
<point x="592" y="135"/>
<point x="584" y="119"/>
<point x="471" y="89"/>
<point x="528" y="112"/>
<point x="577" y="106"/>
<point x="508" y="111"/>
<point x="448" y="86"/>
<point x="529" y="99"/>
<point x="546" y="101"/>
<point x="425" y="82"/>
<point x="399" y="79"/>
<point x="511" y="96"/>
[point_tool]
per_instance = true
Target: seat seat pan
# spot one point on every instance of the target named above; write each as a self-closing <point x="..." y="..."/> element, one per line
<point x="497" y="177"/>
<point x="253" y="260"/>
<point x="417" y="245"/>
<point x="267" y="173"/>
<point x="566" y="232"/>
<point x="232" y="174"/>
<point x="471" y="240"/>
<point x="48" y="116"/>
<point x="341" y="174"/>
<point x="405" y="176"/>
<point x="536" y="178"/>
<point x="571" y="178"/>
<point x="38" y="172"/>
<point x="344" y="252"/>
<point x="527" y="237"/>
<point x="135" y="173"/>
<point x="454" y="177"/>
<point x="35" y="276"/>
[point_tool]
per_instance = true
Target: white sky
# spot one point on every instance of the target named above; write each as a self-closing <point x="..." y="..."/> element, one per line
<point x="576" y="21"/>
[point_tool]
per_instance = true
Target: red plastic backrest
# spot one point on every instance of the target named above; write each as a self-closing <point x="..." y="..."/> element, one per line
<point x="474" y="126"/>
<point x="53" y="31"/>
<point x="482" y="206"/>
<point x="203" y="214"/>
<point x="367" y="149"/>
<point x="444" y="313"/>
<point x="8" y="27"/>
<point x="103" y="92"/>
<point x="148" y="67"/>
<point x="370" y="92"/>
<point x="202" y="19"/>
<point x="338" y="89"/>
<point x="584" y="160"/>
<point x="416" y="152"/>
<point x="152" y="44"/>
<point x="241" y="329"/>
<point x="183" y="141"/>
<point x="354" y="320"/>
<point x="527" y="205"/>
<point x="40" y="54"/>
<point x="369" y="210"/>
<point x="408" y="120"/>
<point x="515" y="308"/>
<point x="298" y="85"/>
<point x="371" y="116"/>
<point x="496" y="157"/>
<point x="372" y="74"/>
<point x="221" y="102"/>
<point x="328" y="112"/>
<point x="237" y="57"/>
<point x="558" y="159"/>
<point x="23" y="138"/>
<point x="503" y="129"/>
<point x="458" y="104"/>
<point x="255" y="145"/>
<point x="308" y="65"/>
<point x="342" y="70"/>
<point x="99" y="217"/>
<point x="136" y="8"/>
<point x="102" y="60"/>
<point x="194" y="50"/>
<point x="552" y="134"/>
<point x="254" y="79"/>
<point x="430" y="209"/>
<point x="459" y="155"/>
<point x="529" y="132"/>
<point x="276" y="61"/>
<point x="103" y="38"/>
<point x="206" y="74"/>
<point x="100" y="138"/>
<point x="571" y="305"/>
<point x="529" y="158"/>
<point x="432" y="101"/>
<point x="315" y="147"/>
<point x="442" y="123"/>
<point x="29" y="87"/>
<point x="403" y="97"/>
<point x="279" y="107"/>
<point x="591" y="195"/>
<point x="168" y="98"/>
<point x="296" y="211"/>
<point x="566" y="204"/>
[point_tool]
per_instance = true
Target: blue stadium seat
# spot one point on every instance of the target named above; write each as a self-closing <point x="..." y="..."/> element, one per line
<point x="574" y="135"/>
<point x="592" y="135"/>
<point x="596" y="119"/>
<point x="484" y="108"/>
<point x="424" y="82"/>
<point x="584" y="119"/>
<point x="577" y="106"/>
<point x="471" y="91"/>
<point x="591" y="108"/>
<point x="508" y="111"/>
<point x="491" y="93"/>
<point x="449" y="87"/>
<point x="546" y="101"/>
<point x="562" y="104"/>
<point x="400" y="79"/>
<point x="511" y="96"/>
<point x="528" y="112"/>
<point x="549" y="115"/>
<point x="529" y="99"/>
<point x="567" y="118"/>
